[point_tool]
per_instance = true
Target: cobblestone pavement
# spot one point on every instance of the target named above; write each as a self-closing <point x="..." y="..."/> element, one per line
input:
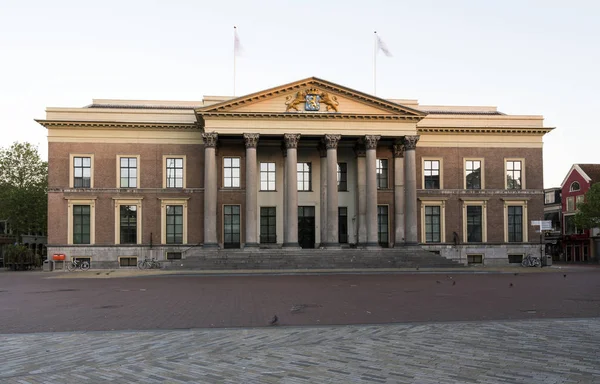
<point x="527" y="351"/>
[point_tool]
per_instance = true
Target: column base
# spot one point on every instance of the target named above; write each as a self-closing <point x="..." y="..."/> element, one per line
<point x="372" y="246"/>
<point x="291" y="246"/>
<point x="332" y="245"/>
<point x="210" y="246"/>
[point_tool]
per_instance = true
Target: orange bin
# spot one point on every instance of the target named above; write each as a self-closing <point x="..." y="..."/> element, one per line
<point x="58" y="257"/>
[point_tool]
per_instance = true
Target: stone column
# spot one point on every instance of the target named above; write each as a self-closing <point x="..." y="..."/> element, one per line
<point x="323" y="194"/>
<point x="399" y="194"/>
<point x="290" y="238"/>
<point x="410" y="169"/>
<point x="251" y="141"/>
<point x="210" y="189"/>
<point x="331" y="143"/>
<point x="361" y="192"/>
<point x="371" y="147"/>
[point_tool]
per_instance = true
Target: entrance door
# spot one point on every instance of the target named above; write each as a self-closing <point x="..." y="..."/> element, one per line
<point x="231" y="226"/>
<point x="306" y="227"/>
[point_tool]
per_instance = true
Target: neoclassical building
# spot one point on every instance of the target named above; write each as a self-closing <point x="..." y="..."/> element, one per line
<point x="310" y="164"/>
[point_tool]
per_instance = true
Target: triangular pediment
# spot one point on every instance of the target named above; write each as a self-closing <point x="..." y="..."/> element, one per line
<point x="311" y="97"/>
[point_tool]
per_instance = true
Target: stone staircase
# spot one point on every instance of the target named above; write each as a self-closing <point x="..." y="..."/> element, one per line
<point x="282" y="259"/>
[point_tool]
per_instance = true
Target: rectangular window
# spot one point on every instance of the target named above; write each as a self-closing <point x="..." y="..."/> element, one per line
<point x="304" y="177"/>
<point x="343" y="225"/>
<point x="474" y="259"/>
<point x="231" y="172"/>
<point x="267" y="176"/>
<point x="126" y="261"/>
<point x="383" y="234"/>
<point x="473" y="174"/>
<point x="513" y="174"/>
<point x="128" y="224"/>
<point x="231" y="226"/>
<point x="549" y="197"/>
<point x="474" y="220"/>
<point x="382" y="173"/>
<point x="578" y="201"/>
<point x="82" y="172"/>
<point x="515" y="259"/>
<point x="268" y="225"/>
<point x="570" y="228"/>
<point x="431" y="171"/>
<point x="174" y="224"/>
<point x="432" y="224"/>
<point x="174" y="256"/>
<point x="515" y="224"/>
<point x="342" y="176"/>
<point x="570" y="204"/>
<point x="128" y="171"/>
<point x="174" y="172"/>
<point x="81" y="224"/>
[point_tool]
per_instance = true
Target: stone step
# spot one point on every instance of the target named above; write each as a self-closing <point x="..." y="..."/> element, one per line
<point x="407" y="257"/>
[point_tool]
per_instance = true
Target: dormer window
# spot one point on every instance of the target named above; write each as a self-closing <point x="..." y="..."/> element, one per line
<point x="574" y="187"/>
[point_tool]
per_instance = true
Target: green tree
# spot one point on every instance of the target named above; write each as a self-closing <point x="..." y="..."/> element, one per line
<point x="23" y="189"/>
<point x="589" y="211"/>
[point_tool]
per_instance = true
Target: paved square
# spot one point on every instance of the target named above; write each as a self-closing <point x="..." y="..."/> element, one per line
<point x="525" y="351"/>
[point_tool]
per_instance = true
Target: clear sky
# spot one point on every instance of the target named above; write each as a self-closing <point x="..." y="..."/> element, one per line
<point x="524" y="56"/>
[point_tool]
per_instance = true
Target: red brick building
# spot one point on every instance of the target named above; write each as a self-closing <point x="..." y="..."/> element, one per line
<point x="577" y="243"/>
<point x="303" y="165"/>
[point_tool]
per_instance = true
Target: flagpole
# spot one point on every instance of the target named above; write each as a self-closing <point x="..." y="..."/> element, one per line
<point x="374" y="63"/>
<point x="234" y="54"/>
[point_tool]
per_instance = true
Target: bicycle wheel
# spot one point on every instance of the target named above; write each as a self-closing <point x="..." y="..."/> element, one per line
<point x="71" y="266"/>
<point x="140" y="264"/>
<point x="537" y="262"/>
<point x="85" y="266"/>
<point x="157" y="264"/>
<point x="145" y="264"/>
<point x="526" y="262"/>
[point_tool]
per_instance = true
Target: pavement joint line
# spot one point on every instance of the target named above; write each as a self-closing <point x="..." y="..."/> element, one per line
<point x="286" y="328"/>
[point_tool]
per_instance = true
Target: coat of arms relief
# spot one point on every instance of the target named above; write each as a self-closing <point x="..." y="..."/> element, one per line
<point x="312" y="100"/>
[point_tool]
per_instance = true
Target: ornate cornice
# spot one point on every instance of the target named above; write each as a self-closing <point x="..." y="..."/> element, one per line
<point x="295" y="115"/>
<point x="251" y="140"/>
<point x="210" y="139"/>
<point x="410" y="142"/>
<point x="331" y="141"/>
<point x="398" y="150"/>
<point x="291" y="140"/>
<point x="112" y="124"/>
<point x="371" y="141"/>
<point x="486" y="130"/>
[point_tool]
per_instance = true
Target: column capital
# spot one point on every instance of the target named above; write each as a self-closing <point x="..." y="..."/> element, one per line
<point x="371" y="141"/>
<point x="291" y="140"/>
<point x="410" y="142"/>
<point x="331" y="141"/>
<point x="359" y="148"/>
<point x="210" y="139"/>
<point x="251" y="140"/>
<point x="398" y="149"/>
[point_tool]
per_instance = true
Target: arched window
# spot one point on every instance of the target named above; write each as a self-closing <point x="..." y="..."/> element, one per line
<point x="574" y="186"/>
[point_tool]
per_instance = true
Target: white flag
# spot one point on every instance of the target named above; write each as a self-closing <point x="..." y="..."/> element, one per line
<point x="382" y="47"/>
<point x="237" y="46"/>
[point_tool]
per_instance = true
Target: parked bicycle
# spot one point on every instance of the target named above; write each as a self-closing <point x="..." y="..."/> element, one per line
<point x="531" y="261"/>
<point x="76" y="264"/>
<point x="149" y="264"/>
